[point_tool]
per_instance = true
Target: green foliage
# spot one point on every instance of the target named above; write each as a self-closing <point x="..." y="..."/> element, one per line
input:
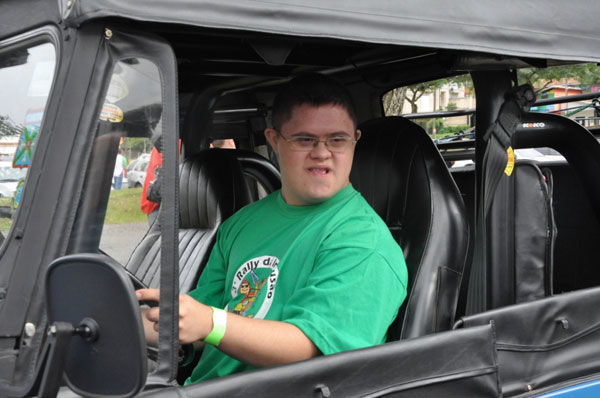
<point x="540" y="78"/>
<point x="135" y="146"/>
<point x="439" y="124"/>
<point x="452" y="130"/>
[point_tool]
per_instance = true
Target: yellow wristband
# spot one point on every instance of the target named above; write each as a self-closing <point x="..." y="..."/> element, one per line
<point x="215" y="336"/>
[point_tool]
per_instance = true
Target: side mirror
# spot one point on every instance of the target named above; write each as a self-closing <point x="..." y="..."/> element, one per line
<point x="94" y="319"/>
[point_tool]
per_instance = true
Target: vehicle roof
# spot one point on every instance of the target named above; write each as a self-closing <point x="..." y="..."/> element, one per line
<point x="549" y="29"/>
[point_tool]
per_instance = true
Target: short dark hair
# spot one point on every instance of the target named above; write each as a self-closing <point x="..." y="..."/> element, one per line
<point x="312" y="89"/>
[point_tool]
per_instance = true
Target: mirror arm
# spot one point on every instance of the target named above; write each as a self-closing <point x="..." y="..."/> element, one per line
<point x="59" y="337"/>
<point x="49" y="371"/>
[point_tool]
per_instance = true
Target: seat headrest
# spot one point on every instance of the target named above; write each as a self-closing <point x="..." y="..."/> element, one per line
<point x="385" y="157"/>
<point x="212" y="188"/>
<point x="579" y="147"/>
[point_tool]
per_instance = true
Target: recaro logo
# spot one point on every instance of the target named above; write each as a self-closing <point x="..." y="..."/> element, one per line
<point x="534" y="125"/>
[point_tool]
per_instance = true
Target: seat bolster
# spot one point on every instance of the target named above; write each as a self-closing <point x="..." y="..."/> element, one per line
<point x="402" y="175"/>
<point x="194" y="249"/>
<point x="534" y="234"/>
<point x="438" y="265"/>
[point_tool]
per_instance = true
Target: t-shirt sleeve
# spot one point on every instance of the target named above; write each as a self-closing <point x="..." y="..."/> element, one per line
<point x="211" y="283"/>
<point x="352" y="297"/>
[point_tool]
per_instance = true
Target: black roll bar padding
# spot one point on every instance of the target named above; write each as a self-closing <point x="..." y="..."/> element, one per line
<point x="579" y="147"/>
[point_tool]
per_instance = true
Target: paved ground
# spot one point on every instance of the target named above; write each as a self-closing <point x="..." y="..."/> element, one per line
<point x="119" y="240"/>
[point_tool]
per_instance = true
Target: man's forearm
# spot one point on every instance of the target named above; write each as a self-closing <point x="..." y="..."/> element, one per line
<point x="256" y="342"/>
<point x="261" y="342"/>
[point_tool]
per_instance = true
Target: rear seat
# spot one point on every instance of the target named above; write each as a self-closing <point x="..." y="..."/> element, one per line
<point x="534" y="250"/>
<point x="578" y="235"/>
<point x="520" y="236"/>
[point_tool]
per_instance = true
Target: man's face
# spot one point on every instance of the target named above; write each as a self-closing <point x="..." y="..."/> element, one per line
<point x="312" y="176"/>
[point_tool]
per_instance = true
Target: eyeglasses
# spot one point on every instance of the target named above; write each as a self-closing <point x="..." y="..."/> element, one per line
<point x="307" y="143"/>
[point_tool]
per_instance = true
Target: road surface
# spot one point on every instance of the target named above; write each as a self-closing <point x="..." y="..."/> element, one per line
<point x="119" y="240"/>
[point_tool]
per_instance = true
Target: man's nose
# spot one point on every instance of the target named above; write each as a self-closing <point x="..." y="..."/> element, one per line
<point x="320" y="150"/>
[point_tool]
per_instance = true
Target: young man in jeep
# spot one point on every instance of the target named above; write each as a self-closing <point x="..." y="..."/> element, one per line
<point x="310" y="269"/>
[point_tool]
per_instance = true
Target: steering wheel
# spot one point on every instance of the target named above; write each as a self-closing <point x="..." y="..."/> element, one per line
<point x="138" y="284"/>
<point x="186" y="351"/>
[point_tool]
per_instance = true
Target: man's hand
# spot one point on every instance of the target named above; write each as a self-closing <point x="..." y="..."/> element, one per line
<point x="195" y="318"/>
<point x="256" y="342"/>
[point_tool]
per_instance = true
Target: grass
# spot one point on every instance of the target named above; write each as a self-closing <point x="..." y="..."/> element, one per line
<point x="5" y="223"/>
<point x="124" y="207"/>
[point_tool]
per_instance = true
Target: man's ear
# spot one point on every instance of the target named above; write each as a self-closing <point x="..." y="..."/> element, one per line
<point x="271" y="135"/>
<point x="358" y="134"/>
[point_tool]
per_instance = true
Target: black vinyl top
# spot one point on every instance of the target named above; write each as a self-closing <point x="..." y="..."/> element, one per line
<point x="550" y="29"/>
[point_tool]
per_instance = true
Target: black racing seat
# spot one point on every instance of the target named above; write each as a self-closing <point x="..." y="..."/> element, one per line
<point x="526" y="248"/>
<point x="212" y="188"/>
<point x="520" y="236"/>
<point x="402" y="175"/>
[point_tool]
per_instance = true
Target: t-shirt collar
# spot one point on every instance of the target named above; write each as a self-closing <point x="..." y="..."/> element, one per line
<point x="341" y="196"/>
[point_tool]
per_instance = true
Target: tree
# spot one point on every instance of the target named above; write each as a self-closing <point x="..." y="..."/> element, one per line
<point x="8" y="128"/>
<point x="416" y="91"/>
<point x="540" y="78"/>
<point x="451" y="106"/>
<point x="134" y="146"/>
<point x="393" y="101"/>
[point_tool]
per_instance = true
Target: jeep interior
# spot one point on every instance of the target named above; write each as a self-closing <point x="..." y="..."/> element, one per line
<point x="481" y="158"/>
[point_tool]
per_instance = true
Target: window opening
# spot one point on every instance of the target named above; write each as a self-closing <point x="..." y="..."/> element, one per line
<point x="26" y="76"/>
<point x="552" y="85"/>
<point x="118" y="181"/>
<point x="445" y="110"/>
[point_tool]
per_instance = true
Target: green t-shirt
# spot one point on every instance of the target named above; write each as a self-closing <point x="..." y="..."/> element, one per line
<point x="331" y="269"/>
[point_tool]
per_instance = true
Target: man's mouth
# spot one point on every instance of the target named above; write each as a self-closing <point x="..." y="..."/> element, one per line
<point x="319" y="170"/>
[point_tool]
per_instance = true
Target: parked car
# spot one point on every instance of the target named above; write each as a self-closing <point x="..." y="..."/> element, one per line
<point x="136" y="171"/>
<point x="9" y="178"/>
<point x="503" y="282"/>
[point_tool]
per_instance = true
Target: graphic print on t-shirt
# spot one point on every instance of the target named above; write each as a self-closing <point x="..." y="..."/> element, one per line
<point x="253" y="287"/>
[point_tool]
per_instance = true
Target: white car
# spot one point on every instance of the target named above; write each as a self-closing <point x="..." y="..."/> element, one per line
<point x="9" y="178"/>
<point x="136" y="171"/>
